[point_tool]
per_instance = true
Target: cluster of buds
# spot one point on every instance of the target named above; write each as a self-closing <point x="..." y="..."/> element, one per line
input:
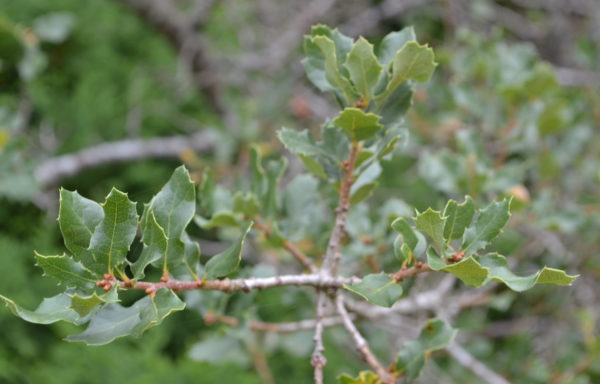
<point x="107" y="282"/>
<point x="458" y="256"/>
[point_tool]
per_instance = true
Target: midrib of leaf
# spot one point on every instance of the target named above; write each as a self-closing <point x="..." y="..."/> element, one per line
<point x="452" y="223"/>
<point x="478" y="237"/>
<point x="401" y="79"/>
<point x="112" y="239"/>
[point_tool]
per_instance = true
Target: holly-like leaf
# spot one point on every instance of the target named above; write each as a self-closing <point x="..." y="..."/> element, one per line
<point x="67" y="271"/>
<point x="357" y="124"/>
<point x="364" y="377"/>
<point x="395" y="106"/>
<point x="174" y="207"/>
<point x="393" y="42"/>
<point x="51" y="310"/>
<point x="468" y="269"/>
<point x="155" y="245"/>
<point x="113" y="236"/>
<point x="499" y="271"/>
<point x="227" y="262"/>
<point x="459" y="217"/>
<point x="436" y="334"/>
<point x="432" y="224"/>
<point x="379" y="289"/>
<point x="363" y="67"/>
<point x="219" y="219"/>
<point x="412" y="62"/>
<point x="77" y="218"/>
<point x="487" y="226"/>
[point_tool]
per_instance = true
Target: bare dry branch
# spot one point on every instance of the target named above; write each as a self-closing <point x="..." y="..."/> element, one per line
<point x="52" y="171"/>
<point x="467" y="360"/>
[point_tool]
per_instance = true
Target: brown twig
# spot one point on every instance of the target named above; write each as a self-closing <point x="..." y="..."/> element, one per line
<point x="361" y="343"/>
<point x="334" y="255"/>
<point x="402" y="274"/>
<point x="288" y="246"/>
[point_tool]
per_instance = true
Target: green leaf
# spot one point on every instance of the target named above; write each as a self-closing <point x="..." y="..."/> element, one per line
<point x="153" y="310"/>
<point x="110" y="322"/>
<point x="77" y="218"/>
<point x="313" y="166"/>
<point x="51" y="310"/>
<point x="219" y="219"/>
<point x="392" y="43"/>
<point x="436" y="334"/>
<point x="113" y="236"/>
<point x="459" y="217"/>
<point x="174" y="207"/>
<point x="395" y="106"/>
<point x="468" y="269"/>
<point x="412" y="62"/>
<point x="357" y="124"/>
<point x="155" y="245"/>
<point x="84" y="305"/>
<point x="363" y="192"/>
<point x="302" y="207"/>
<point x="363" y="67"/>
<point x="332" y="67"/>
<point x="499" y="271"/>
<point x="227" y="262"/>
<point x="275" y="171"/>
<point x="364" y="377"/>
<point x="378" y="289"/>
<point x="432" y="224"/>
<point x="246" y="203"/>
<point x="67" y="271"/>
<point x="487" y="226"/>
<point x="298" y="142"/>
<point x="113" y="320"/>
<point x="414" y="241"/>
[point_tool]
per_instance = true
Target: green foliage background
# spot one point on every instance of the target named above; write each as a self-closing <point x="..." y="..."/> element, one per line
<point x="493" y="118"/>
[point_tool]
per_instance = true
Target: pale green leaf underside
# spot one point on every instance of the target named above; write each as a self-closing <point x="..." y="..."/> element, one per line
<point x="363" y="67"/>
<point x="51" y="310"/>
<point x="378" y="289"/>
<point x="431" y="223"/>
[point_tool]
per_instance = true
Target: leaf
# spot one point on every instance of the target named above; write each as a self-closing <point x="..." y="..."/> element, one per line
<point x="227" y="262"/>
<point x="393" y="42"/>
<point x="84" y="305"/>
<point x="298" y="142"/>
<point x="378" y="289"/>
<point x="275" y="171"/>
<point x="364" y="377"/>
<point x="488" y="225"/>
<point x="221" y="349"/>
<point x="436" y="334"/>
<point x="67" y="271"/>
<point x="113" y="236"/>
<point x="302" y="207"/>
<point x="77" y="218"/>
<point x="153" y="310"/>
<point x="357" y="124"/>
<point x="412" y="62"/>
<point x="395" y="106"/>
<point x="110" y="322"/>
<point x="432" y="224"/>
<point x="174" y="207"/>
<point x="363" y="67"/>
<point x="499" y="271"/>
<point x="363" y="192"/>
<point x="219" y="219"/>
<point x="468" y="269"/>
<point x="246" y="203"/>
<point x="51" y="310"/>
<point x="332" y="68"/>
<point x="155" y="245"/>
<point x="459" y="217"/>
<point x="414" y="241"/>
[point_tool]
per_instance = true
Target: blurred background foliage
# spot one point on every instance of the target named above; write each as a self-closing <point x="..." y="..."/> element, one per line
<point x="513" y="109"/>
